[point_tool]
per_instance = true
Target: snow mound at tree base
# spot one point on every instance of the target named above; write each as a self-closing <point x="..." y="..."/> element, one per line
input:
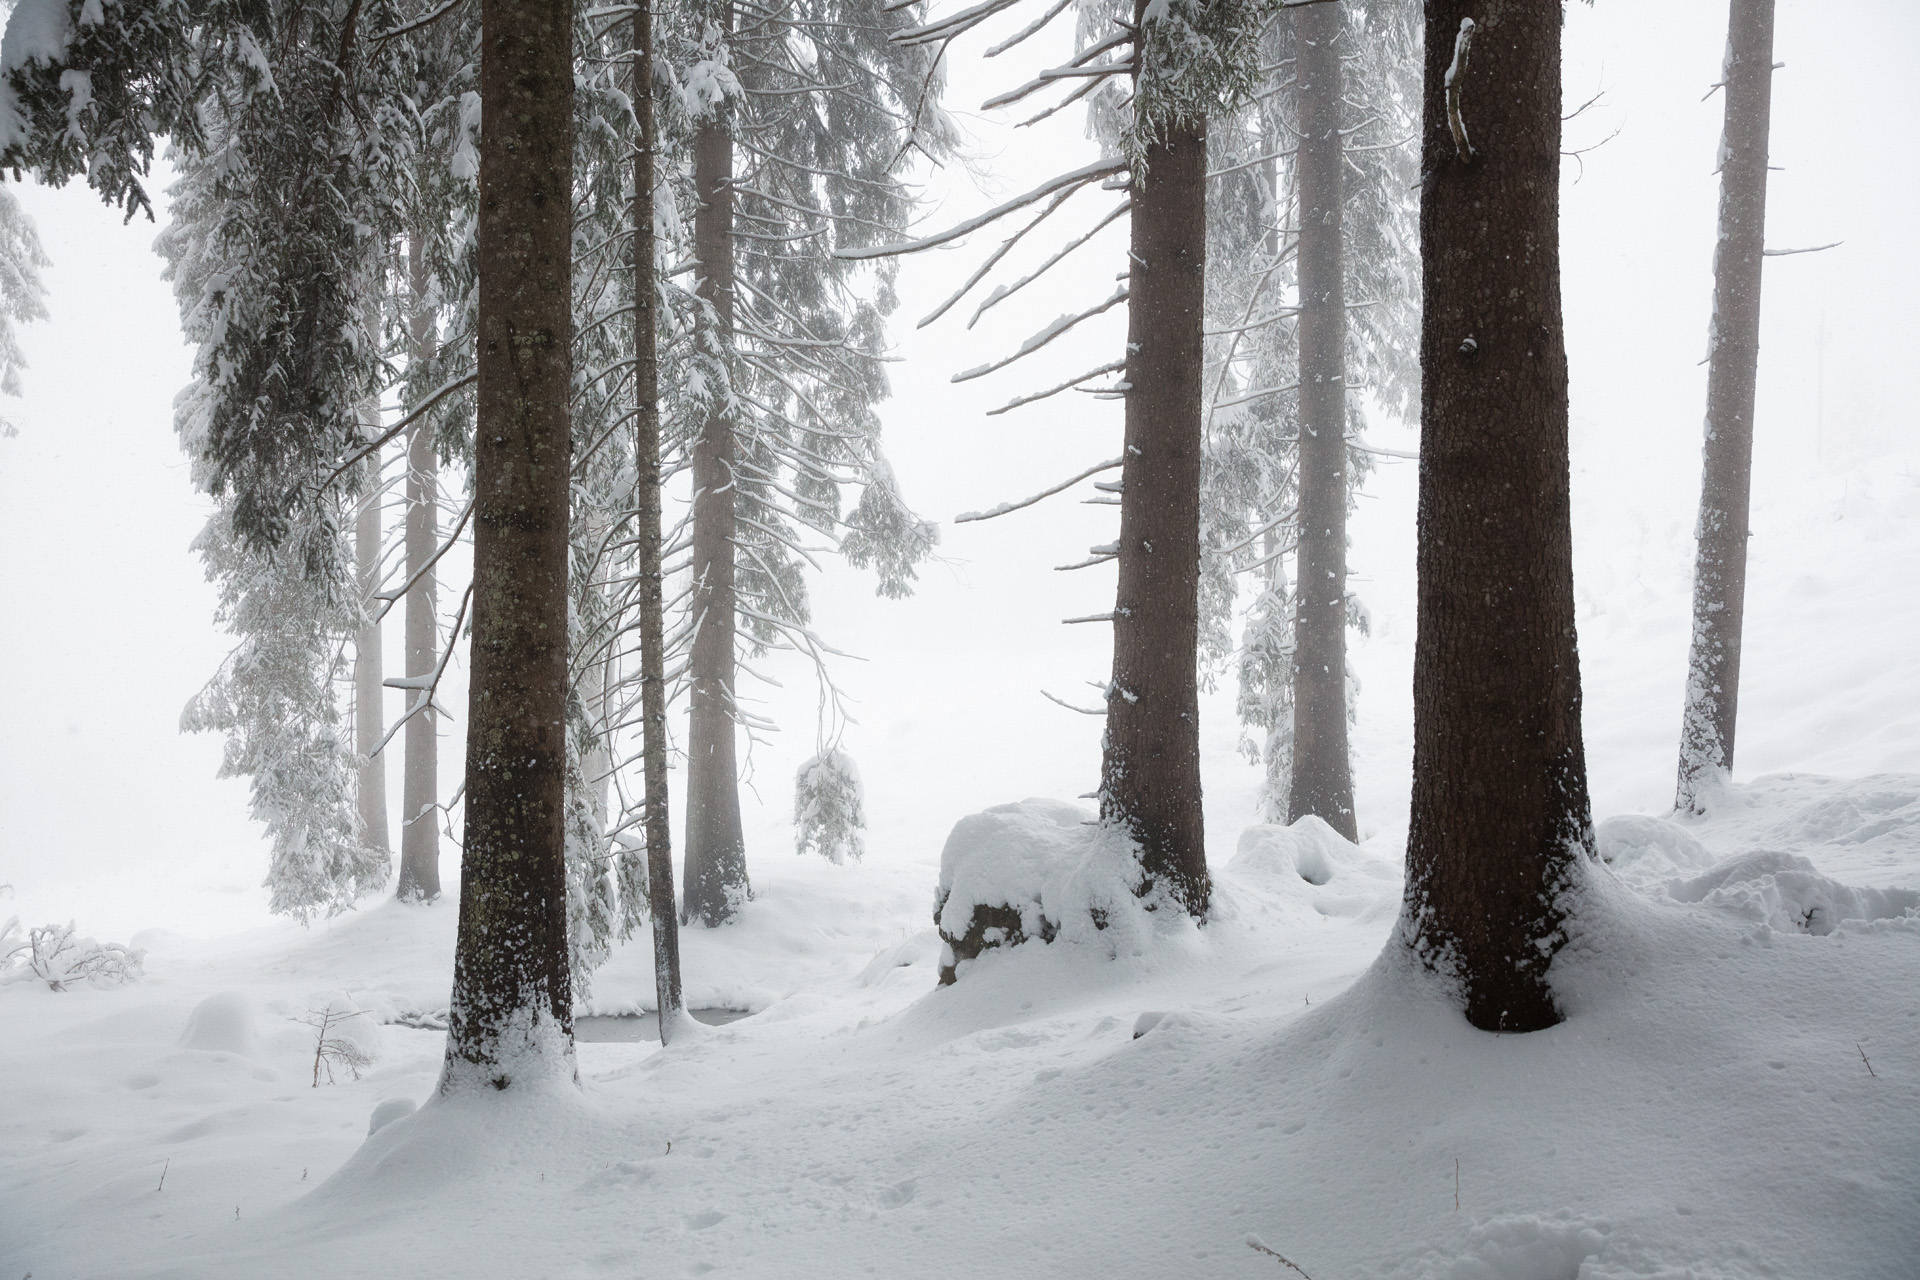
<point x="1040" y="869"/>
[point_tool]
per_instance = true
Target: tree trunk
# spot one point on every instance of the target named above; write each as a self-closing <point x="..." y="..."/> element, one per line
<point x="1733" y="357"/>
<point x="420" y="784"/>
<point x="1322" y="771"/>
<point x="511" y="1015"/>
<point x="1500" y="817"/>
<point x="653" y="687"/>
<point x="1150" y="771"/>
<point x="716" y="856"/>
<point x="369" y="720"/>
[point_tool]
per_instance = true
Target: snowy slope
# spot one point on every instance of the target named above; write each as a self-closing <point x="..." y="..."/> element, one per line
<point x="1708" y="1105"/>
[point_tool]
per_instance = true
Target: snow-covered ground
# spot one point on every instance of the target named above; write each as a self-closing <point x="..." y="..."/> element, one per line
<point x="1732" y="1095"/>
<point x="1735" y="1094"/>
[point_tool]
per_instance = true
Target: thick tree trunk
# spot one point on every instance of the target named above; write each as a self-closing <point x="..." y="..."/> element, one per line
<point x="1322" y="771"/>
<point x="420" y="784"/>
<point x="1500" y="818"/>
<point x="716" y="855"/>
<point x="653" y="686"/>
<point x="1733" y="358"/>
<point x="369" y="722"/>
<point x="1150" y="772"/>
<point x="511" y="1015"/>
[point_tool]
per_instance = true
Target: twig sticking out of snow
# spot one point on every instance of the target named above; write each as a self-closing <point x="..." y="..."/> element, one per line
<point x="1259" y="1246"/>
<point x="328" y="1050"/>
<point x="1863" y="1058"/>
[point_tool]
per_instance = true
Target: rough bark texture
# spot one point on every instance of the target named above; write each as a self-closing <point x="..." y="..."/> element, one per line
<point x="369" y="724"/>
<point x="511" y="1015"/>
<point x="1150" y="773"/>
<point x="1720" y="561"/>
<point x="420" y="781"/>
<point x="1500" y="817"/>
<point x="716" y="856"/>
<point x="653" y="687"/>
<point x="1322" y="782"/>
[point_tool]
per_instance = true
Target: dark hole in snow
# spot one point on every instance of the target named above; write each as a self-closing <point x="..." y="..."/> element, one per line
<point x="627" y="1028"/>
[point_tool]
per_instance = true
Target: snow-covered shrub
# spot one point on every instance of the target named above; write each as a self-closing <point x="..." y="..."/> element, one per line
<point x="829" y="808"/>
<point x="54" y="955"/>
<point x="1036" y="869"/>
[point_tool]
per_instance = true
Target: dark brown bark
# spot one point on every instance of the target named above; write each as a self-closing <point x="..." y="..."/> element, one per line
<point x="1322" y="782"/>
<point x="369" y="720"/>
<point x="1733" y="359"/>
<point x="1150" y="771"/>
<point x="1500" y="815"/>
<point x="653" y="687"/>
<point x="511" y="1016"/>
<point x="716" y="855"/>
<point x="420" y="779"/>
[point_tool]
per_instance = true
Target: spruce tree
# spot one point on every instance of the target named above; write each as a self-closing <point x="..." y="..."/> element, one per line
<point x="22" y="296"/>
<point x="1733" y="358"/>
<point x="805" y="121"/>
<point x="1500" y="827"/>
<point x="510" y="1019"/>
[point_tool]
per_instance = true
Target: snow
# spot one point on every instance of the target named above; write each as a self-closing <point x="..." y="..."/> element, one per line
<point x="1735" y="1094"/>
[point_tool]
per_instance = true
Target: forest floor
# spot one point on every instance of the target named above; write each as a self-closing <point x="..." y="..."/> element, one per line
<point x="1735" y="1092"/>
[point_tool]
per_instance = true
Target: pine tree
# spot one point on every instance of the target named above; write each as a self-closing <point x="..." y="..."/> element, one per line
<point x="1500" y="827"/>
<point x="1733" y="357"/>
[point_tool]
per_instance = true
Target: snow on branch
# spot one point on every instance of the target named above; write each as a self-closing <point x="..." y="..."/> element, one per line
<point x="1006" y="507"/>
<point x="1112" y="367"/>
<point x="1044" y="337"/>
<point x="1006" y="291"/>
<point x="1031" y="29"/>
<point x="954" y="24"/>
<point x="993" y="260"/>
<point x="1783" y="253"/>
<point x="1062" y="702"/>
<point x="1074" y="179"/>
<point x="428" y="684"/>
<point x="373" y="446"/>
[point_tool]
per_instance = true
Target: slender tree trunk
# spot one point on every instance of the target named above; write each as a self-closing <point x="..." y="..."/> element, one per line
<point x="1733" y="358"/>
<point x="369" y="722"/>
<point x="716" y="855"/>
<point x="511" y="1015"/>
<point x="1322" y="771"/>
<point x="1150" y="772"/>
<point x="420" y="785"/>
<point x="653" y="685"/>
<point x="1500" y="818"/>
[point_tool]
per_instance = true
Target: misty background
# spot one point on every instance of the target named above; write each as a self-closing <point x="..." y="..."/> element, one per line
<point x="109" y="814"/>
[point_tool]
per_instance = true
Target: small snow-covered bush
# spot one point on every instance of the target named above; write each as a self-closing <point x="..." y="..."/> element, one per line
<point x="1036" y="869"/>
<point x="53" y="954"/>
<point x="829" y="808"/>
